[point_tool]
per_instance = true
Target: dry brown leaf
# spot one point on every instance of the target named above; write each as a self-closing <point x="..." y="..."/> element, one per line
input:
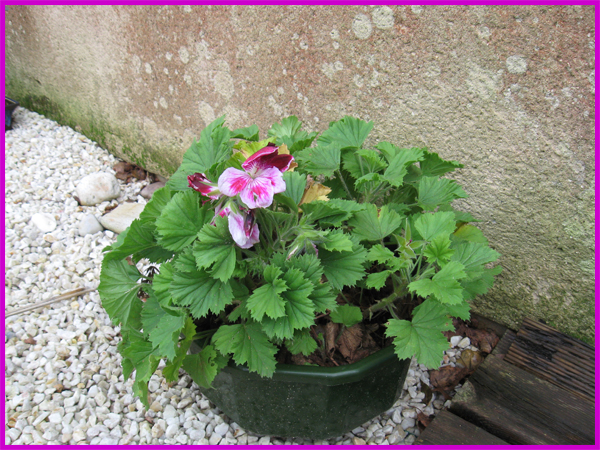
<point x="314" y="191"/>
<point x="126" y="171"/>
<point x="424" y="420"/>
<point x="331" y="334"/>
<point x="446" y="378"/>
<point x="350" y="341"/>
<point x="483" y="339"/>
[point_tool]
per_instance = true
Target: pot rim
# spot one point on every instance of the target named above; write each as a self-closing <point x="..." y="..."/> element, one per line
<point x="328" y="375"/>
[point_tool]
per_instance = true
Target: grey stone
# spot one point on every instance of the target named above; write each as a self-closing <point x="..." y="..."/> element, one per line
<point x="96" y="188"/>
<point x="151" y="188"/>
<point x="89" y="225"/>
<point x="121" y="217"/>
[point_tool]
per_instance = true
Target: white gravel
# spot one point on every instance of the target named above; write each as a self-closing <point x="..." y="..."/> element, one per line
<point x="63" y="377"/>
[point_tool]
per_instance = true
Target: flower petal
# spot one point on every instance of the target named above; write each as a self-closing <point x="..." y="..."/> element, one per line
<point x="268" y="157"/>
<point x="243" y="229"/>
<point x="258" y="193"/>
<point x="200" y="183"/>
<point x="232" y="181"/>
<point x="257" y="157"/>
<point x="276" y="178"/>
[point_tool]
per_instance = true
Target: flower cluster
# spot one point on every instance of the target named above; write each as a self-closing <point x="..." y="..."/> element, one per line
<point x="241" y="191"/>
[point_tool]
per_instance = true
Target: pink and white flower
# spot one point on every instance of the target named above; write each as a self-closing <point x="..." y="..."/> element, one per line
<point x="261" y="179"/>
<point x="200" y="183"/>
<point x="243" y="228"/>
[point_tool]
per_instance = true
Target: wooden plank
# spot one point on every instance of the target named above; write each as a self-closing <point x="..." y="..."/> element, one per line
<point x="449" y="429"/>
<point x="555" y="357"/>
<point x="503" y="346"/>
<point x="520" y="408"/>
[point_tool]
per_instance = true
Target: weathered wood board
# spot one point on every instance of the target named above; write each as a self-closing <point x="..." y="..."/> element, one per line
<point x="555" y="357"/>
<point x="449" y="429"/>
<point x="520" y="408"/>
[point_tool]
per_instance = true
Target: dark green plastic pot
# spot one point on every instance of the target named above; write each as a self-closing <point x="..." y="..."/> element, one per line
<point x="310" y="401"/>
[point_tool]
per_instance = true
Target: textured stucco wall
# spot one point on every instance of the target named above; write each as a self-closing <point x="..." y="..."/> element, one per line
<point x="507" y="90"/>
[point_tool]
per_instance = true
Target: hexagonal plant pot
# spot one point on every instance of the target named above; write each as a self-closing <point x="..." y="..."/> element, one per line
<point x="310" y="401"/>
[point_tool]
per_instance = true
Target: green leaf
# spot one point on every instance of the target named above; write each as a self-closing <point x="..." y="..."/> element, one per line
<point x="349" y="132"/>
<point x="399" y="160"/>
<point x="138" y="352"/>
<point x="438" y="250"/>
<point x="362" y="162"/>
<point x="434" y="192"/>
<point x="423" y="336"/>
<point x="248" y="148"/>
<point x="343" y="268"/>
<point x="302" y="342"/>
<point x="433" y="165"/>
<point x="171" y="369"/>
<point x="461" y="310"/>
<point x="140" y="242"/>
<point x="321" y="296"/>
<point x="162" y="327"/>
<point x="267" y="298"/>
<point x="204" y="366"/>
<point x="480" y="285"/>
<point x="368" y="178"/>
<point x="380" y="254"/>
<point x="377" y="280"/>
<point x="249" y="345"/>
<point x="432" y="226"/>
<point x="295" y="183"/>
<point x="289" y="132"/>
<point x="201" y="293"/>
<point x="161" y="283"/>
<point x="118" y="290"/>
<point x="336" y="240"/>
<point x="473" y="256"/>
<point x="326" y="213"/>
<point x="213" y="147"/>
<point x="181" y="220"/>
<point x="249" y="133"/>
<point x="444" y="285"/>
<point x="299" y="309"/>
<point x="469" y="233"/>
<point x="321" y="160"/>
<point x="215" y="247"/>
<point x="279" y="328"/>
<point x="373" y="225"/>
<point x="154" y="207"/>
<point x="185" y="261"/>
<point x="347" y="315"/>
<point x="289" y="126"/>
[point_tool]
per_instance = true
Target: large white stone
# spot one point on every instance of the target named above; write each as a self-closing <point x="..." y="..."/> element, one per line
<point x="121" y="217"/>
<point x="96" y="188"/>
<point x="44" y="222"/>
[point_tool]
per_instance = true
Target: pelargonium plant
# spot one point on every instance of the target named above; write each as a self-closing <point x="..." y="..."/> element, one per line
<point x="289" y="249"/>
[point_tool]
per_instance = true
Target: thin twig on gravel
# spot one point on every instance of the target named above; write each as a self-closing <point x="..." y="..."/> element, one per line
<point x="65" y="296"/>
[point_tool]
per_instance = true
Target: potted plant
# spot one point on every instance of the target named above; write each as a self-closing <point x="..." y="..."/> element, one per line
<point x="294" y="277"/>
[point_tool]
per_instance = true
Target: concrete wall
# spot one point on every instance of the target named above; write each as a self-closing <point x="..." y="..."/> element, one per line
<point x="509" y="91"/>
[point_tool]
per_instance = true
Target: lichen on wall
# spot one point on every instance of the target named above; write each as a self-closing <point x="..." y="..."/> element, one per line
<point x="506" y="90"/>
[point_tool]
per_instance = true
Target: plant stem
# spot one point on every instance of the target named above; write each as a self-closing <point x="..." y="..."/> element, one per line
<point x="339" y="172"/>
<point x="397" y="294"/>
<point x="373" y="192"/>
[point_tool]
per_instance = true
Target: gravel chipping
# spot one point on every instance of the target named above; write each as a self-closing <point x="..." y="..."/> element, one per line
<point x="63" y="376"/>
